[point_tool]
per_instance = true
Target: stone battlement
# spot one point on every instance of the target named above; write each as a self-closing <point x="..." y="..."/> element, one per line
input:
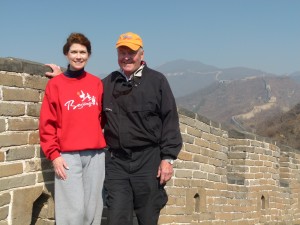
<point x="221" y="177"/>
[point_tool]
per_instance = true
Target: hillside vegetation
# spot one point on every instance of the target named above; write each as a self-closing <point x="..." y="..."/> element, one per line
<point x="284" y="128"/>
<point x="252" y="105"/>
<point x="240" y="98"/>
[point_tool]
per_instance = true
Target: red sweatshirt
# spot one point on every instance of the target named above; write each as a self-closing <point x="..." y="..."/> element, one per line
<point x="70" y="115"/>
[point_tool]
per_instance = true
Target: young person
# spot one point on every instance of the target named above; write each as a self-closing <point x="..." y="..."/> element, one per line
<point x="71" y="137"/>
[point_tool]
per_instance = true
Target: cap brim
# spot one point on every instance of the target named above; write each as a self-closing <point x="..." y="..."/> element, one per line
<point x="134" y="47"/>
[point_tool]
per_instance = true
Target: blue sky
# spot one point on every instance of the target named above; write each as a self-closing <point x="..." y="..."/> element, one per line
<point x="258" y="34"/>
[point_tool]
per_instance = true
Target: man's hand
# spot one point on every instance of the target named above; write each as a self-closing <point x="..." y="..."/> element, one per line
<point x="165" y="171"/>
<point x="55" y="70"/>
<point x="60" y="166"/>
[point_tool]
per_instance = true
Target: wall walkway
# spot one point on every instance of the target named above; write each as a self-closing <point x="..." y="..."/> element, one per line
<point x="220" y="178"/>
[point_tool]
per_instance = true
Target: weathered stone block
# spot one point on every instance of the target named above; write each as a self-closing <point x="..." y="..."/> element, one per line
<point x="11" y="80"/>
<point x="34" y="110"/>
<point x="17" y="153"/>
<point x="23" y="66"/>
<point x="202" y="142"/>
<point x="222" y="141"/>
<point x="187" y="138"/>
<point x="215" y="146"/>
<point x="26" y="95"/>
<point x="192" y="148"/>
<point x="17" y="181"/>
<point x="194" y="132"/>
<point x="13" y="139"/>
<point x="34" y="138"/>
<point x="36" y="82"/>
<point x="199" y="175"/>
<point x="5" y="199"/>
<point x="209" y="137"/>
<point x="201" y="159"/>
<point x="186" y="121"/>
<point x="33" y="165"/>
<point x="2" y="125"/>
<point x="4" y="212"/>
<point x="237" y="155"/>
<point x="23" y="200"/>
<point x="182" y="183"/>
<point x="12" y="109"/>
<point x="11" y="169"/>
<point x="2" y="156"/>
<point x="202" y="126"/>
<point x="185" y="156"/>
<point x="218" y="132"/>
<point x="183" y="174"/>
<point x="22" y="124"/>
<point x="232" y="142"/>
<point x="216" y="162"/>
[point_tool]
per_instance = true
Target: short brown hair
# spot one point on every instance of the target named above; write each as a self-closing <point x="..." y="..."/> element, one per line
<point x="77" y="38"/>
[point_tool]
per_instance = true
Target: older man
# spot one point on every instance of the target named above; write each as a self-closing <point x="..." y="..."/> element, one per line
<point x="142" y="132"/>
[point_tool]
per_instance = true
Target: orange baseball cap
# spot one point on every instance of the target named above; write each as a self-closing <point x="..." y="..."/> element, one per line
<point x="130" y="40"/>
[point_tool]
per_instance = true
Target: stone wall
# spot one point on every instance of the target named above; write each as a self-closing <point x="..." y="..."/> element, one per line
<point x="221" y="177"/>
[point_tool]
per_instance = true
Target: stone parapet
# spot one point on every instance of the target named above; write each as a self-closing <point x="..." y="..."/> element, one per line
<point x="221" y="176"/>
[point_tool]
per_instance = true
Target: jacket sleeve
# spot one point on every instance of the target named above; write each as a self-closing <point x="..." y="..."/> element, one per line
<point x="102" y="115"/>
<point x="48" y="127"/>
<point x="171" y="140"/>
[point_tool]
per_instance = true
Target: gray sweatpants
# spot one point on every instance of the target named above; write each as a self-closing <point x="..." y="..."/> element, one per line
<point x="78" y="199"/>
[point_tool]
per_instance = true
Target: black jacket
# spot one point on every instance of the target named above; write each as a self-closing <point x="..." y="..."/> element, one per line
<point x="141" y="113"/>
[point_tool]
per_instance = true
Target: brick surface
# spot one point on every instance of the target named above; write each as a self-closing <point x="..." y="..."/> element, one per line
<point x="22" y="124"/>
<point x="194" y="132"/>
<point x="36" y="82"/>
<point x="26" y="95"/>
<point x="17" y="181"/>
<point x="11" y="169"/>
<point x="33" y="110"/>
<point x="219" y="176"/>
<point x="21" y="206"/>
<point x="17" y="153"/>
<point x="2" y="156"/>
<point x="33" y="138"/>
<point x="7" y="109"/>
<point x="187" y="138"/>
<point x="5" y="199"/>
<point x="202" y="142"/>
<point x="11" y="80"/>
<point x="2" y="125"/>
<point x="4" y="212"/>
<point x="13" y="139"/>
<point x="185" y="156"/>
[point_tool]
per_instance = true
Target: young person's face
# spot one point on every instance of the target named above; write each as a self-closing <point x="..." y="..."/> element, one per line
<point x="129" y="60"/>
<point x="77" y="56"/>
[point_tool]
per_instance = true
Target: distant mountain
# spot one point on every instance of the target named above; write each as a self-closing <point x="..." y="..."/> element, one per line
<point x="244" y="103"/>
<point x="295" y="76"/>
<point x="176" y="67"/>
<point x="186" y="77"/>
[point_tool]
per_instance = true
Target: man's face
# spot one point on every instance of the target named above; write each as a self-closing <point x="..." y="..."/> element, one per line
<point x="129" y="60"/>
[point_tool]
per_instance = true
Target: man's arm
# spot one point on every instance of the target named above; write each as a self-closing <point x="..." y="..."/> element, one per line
<point x="55" y="70"/>
<point x="171" y="140"/>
